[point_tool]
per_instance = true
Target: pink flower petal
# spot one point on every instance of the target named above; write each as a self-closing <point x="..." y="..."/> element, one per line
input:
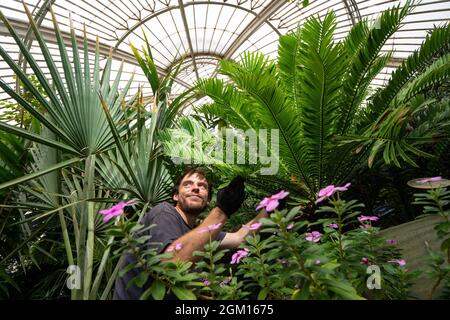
<point x="272" y="205"/>
<point x="313" y="236"/>
<point x="280" y="195"/>
<point x="209" y="228"/>
<point x="368" y="218"/>
<point x="320" y="199"/>
<point x="116" y="210"/>
<point x="263" y="203"/>
<point x="400" y="262"/>
<point x="254" y="226"/>
<point x="327" y="191"/>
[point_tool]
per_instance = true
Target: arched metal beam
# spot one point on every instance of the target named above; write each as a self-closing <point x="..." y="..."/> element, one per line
<point x="153" y="15"/>
<point x="188" y="36"/>
<point x="260" y="19"/>
<point x="196" y="54"/>
<point x="21" y="28"/>
<point x="254" y="24"/>
<point x="353" y="10"/>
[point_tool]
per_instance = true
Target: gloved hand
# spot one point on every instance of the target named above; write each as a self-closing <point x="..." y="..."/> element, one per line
<point x="230" y="198"/>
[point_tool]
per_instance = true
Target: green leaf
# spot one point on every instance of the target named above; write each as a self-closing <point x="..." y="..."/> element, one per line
<point x="263" y="293"/>
<point x="40" y="173"/>
<point x="343" y="289"/>
<point x="183" y="293"/>
<point x="139" y="280"/>
<point x="36" y="138"/>
<point x="157" y="290"/>
<point x="445" y="244"/>
<point x="303" y="293"/>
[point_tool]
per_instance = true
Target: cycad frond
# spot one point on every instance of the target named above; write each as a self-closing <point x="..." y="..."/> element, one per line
<point x="436" y="73"/>
<point x="258" y="82"/>
<point x="289" y="65"/>
<point x="229" y="104"/>
<point x="359" y="73"/>
<point x="435" y="45"/>
<point x="320" y="77"/>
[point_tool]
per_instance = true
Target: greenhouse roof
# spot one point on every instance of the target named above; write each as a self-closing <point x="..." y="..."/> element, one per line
<point x="201" y="33"/>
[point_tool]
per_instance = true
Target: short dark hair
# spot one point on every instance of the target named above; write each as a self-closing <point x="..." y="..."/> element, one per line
<point x="190" y="171"/>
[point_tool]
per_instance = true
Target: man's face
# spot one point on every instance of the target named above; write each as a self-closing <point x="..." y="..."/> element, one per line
<point x="192" y="196"/>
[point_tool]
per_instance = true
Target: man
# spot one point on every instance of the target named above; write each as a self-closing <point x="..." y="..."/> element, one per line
<point x="175" y="225"/>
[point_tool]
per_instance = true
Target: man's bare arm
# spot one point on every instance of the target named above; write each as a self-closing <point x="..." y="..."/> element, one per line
<point x="196" y="239"/>
<point x="235" y="239"/>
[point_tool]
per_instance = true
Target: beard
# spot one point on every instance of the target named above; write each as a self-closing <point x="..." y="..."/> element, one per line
<point x="191" y="208"/>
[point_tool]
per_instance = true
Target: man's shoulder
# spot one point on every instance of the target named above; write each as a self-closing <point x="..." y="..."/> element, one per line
<point x="163" y="209"/>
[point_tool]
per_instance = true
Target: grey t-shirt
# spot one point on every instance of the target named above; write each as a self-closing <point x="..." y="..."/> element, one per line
<point x="169" y="227"/>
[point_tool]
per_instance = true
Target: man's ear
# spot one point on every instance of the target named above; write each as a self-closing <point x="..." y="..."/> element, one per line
<point x="175" y="197"/>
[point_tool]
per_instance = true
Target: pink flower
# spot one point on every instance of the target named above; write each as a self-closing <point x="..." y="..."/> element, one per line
<point x="289" y="226"/>
<point x="272" y="202"/>
<point x="367" y="218"/>
<point x="317" y="262"/>
<point x="333" y="226"/>
<point x="210" y="228"/>
<point x="392" y="242"/>
<point x="364" y="261"/>
<point x="116" y="210"/>
<point x="238" y="255"/>
<point x="206" y="282"/>
<point x="254" y="226"/>
<point x="313" y="236"/>
<point x="328" y="191"/>
<point x="433" y="179"/>
<point x="400" y="262"/>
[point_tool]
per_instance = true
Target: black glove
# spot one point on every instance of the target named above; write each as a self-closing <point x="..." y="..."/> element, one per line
<point x="230" y="198"/>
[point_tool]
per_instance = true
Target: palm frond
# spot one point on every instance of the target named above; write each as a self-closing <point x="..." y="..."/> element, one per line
<point x="74" y="112"/>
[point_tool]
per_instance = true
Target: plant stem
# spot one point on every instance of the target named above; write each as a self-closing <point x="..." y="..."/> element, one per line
<point x="111" y="281"/>
<point x="101" y="269"/>
<point x="436" y="285"/>
<point x="89" y="193"/>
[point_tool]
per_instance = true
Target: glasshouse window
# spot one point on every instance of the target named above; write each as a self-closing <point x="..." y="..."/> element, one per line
<point x="224" y="150"/>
